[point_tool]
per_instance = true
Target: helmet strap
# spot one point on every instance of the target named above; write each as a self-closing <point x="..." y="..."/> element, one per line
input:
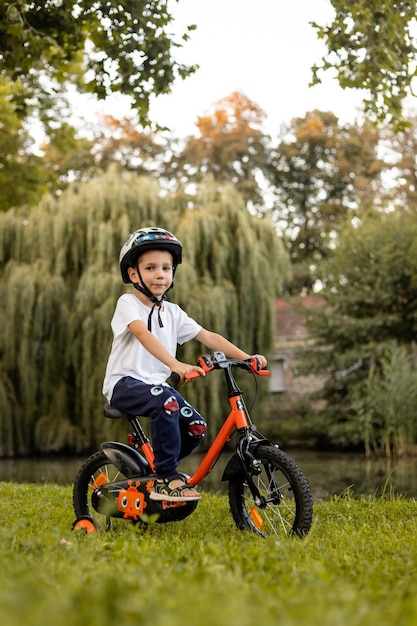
<point x="156" y="303"/>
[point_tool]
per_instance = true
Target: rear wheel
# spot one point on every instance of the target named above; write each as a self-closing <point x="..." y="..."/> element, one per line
<point x="95" y="472"/>
<point x="98" y="471"/>
<point x="287" y="507"/>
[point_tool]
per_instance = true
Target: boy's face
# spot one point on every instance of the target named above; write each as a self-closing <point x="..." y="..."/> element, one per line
<point x="155" y="267"/>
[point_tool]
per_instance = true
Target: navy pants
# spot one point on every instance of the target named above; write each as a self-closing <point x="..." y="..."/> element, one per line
<point x="176" y="427"/>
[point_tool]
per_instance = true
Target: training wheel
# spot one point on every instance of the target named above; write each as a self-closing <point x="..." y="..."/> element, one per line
<point x="86" y="524"/>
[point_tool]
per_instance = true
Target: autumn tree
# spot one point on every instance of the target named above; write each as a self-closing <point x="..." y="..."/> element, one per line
<point x="321" y="171"/>
<point x="371" y="45"/>
<point x="112" y="143"/>
<point x="230" y="146"/>
<point x="134" y="148"/>
<point x="401" y="150"/>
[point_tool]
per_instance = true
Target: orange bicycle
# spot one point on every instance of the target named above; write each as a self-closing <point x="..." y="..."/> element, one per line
<point x="268" y="493"/>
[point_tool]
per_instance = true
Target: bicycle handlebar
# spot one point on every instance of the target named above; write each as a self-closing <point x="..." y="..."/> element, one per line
<point x="219" y="361"/>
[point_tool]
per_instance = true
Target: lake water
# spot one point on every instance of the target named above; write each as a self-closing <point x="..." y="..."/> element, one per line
<point x="328" y="473"/>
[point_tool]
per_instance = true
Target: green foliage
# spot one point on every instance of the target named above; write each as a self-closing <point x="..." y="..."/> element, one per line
<point x="51" y="50"/>
<point x="22" y="176"/>
<point x="67" y="157"/>
<point x="356" y="567"/>
<point x="371" y="46"/>
<point x="59" y="281"/>
<point x="370" y="282"/>
<point x="386" y="408"/>
<point x="370" y="285"/>
<point x="103" y="47"/>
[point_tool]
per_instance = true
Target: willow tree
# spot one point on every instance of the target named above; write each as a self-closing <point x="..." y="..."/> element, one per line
<point x="59" y="281"/>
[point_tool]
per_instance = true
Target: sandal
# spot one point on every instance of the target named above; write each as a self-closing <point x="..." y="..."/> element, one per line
<point x="163" y="489"/>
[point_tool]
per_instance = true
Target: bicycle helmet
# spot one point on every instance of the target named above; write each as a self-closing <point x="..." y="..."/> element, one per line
<point x="150" y="238"/>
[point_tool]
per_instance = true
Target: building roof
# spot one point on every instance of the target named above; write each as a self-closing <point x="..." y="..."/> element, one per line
<point x="290" y="315"/>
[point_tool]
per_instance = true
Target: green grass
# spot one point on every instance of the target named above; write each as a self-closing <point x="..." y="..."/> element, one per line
<point x="357" y="567"/>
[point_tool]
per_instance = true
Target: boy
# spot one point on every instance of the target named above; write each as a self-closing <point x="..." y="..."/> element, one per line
<point x="146" y="330"/>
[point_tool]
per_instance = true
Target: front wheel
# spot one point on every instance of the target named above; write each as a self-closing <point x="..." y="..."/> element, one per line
<point x="287" y="505"/>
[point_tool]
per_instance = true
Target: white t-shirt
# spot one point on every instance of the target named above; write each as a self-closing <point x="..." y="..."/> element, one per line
<point x="128" y="357"/>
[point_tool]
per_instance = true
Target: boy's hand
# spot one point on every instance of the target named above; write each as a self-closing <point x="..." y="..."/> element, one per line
<point x="182" y="369"/>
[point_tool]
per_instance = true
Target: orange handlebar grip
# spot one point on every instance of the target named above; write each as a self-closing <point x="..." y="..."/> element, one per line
<point x="192" y="375"/>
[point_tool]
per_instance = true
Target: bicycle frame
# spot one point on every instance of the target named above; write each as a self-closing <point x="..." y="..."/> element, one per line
<point x="238" y="418"/>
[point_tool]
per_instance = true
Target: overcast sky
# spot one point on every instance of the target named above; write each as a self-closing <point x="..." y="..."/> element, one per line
<point x="262" y="48"/>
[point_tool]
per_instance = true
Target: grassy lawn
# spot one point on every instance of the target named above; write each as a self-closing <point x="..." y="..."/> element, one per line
<point x="358" y="566"/>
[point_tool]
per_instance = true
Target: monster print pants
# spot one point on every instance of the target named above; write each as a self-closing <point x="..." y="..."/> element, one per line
<point x="176" y="427"/>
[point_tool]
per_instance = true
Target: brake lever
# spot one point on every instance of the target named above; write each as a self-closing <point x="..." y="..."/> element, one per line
<point x="255" y="367"/>
<point x="206" y="364"/>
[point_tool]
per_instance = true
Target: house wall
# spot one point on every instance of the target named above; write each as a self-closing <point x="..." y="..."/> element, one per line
<point x="289" y="391"/>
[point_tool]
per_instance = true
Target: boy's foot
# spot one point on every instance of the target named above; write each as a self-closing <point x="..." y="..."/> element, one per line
<point x="173" y="489"/>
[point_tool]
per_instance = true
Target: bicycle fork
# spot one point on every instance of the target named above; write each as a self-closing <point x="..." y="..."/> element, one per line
<point x="251" y="467"/>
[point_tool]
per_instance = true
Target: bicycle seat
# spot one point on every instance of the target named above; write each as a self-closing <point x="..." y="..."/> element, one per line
<point x="112" y="413"/>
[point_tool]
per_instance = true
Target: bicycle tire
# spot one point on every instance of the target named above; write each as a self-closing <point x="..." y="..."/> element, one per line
<point x="289" y="510"/>
<point x="86" y="481"/>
